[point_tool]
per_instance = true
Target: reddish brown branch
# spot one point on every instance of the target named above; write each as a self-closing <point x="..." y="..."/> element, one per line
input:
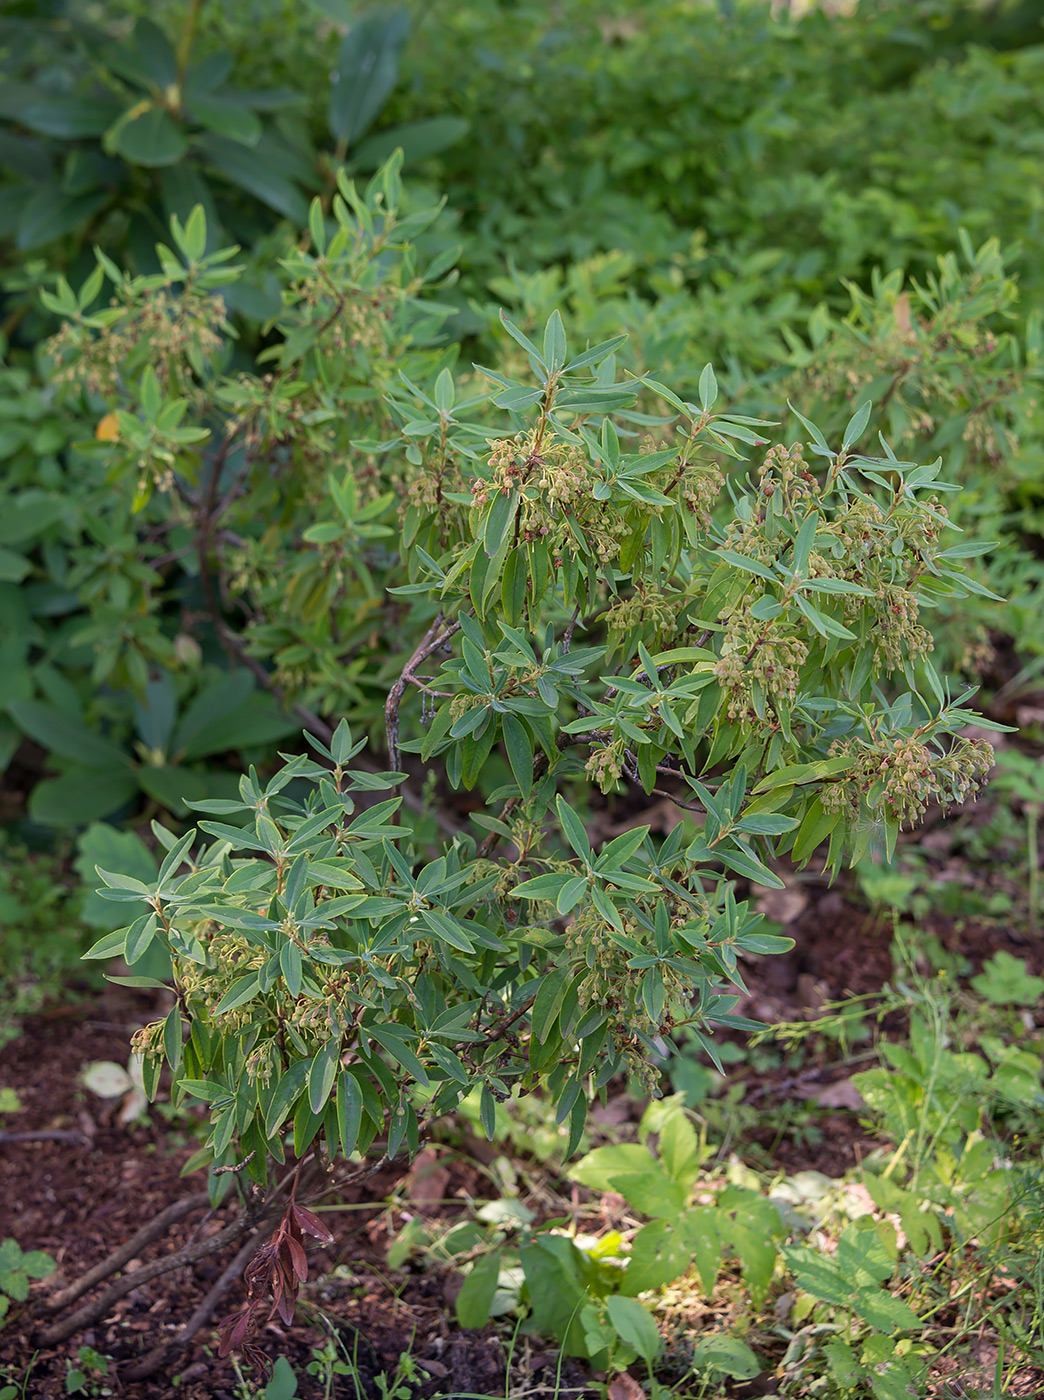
<point x="116" y="1260"/>
<point x="501" y="1027"/>
<point x="434" y="638"/>
<point x="91" y="1312"/>
<point x="153" y="1360"/>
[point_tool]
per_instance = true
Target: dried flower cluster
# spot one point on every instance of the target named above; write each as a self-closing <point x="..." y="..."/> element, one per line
<point x="901" y="777"/>
<point x="177" y="333"/>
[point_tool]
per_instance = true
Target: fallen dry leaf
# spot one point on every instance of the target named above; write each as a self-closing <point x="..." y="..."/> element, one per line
<point x="781" y="906"/>
<point x="859" y="1200"/>
<point x="107" y="1079"/>
<point x="841" y="1094"/>
<point x="625" y="1387"/>
<point x="427" y="1181"/>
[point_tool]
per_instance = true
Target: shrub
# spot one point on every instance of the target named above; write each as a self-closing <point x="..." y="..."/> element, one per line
<point x="120" y="651"/>
<point x="112" y="124"/>
<point x="953" y="377"/>
<point x="797" y="151"/>
<point x="941" y="357"/>
<point x="554" y="597"/>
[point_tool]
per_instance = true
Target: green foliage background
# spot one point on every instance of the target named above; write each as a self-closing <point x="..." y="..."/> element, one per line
<point x="832" y="209"/>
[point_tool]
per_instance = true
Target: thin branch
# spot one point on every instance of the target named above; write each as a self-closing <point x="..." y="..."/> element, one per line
<point x="362" y="1173"/>
<point x="499" y="1027"/>
<point x="240" y="1166"/>
<point x="236" y="648"/>
<point x="322" y="731"/>
<point x="156" y="1226"/>
<point x="434" y="638"/>
<point x="91" y="1312"/>
<point x="151" y="1362"/>
<point x="421" y="683"/>
<point x="689" y="806"/>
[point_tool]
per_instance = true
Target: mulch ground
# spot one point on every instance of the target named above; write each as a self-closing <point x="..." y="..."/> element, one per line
<point x="81" y="1196"/>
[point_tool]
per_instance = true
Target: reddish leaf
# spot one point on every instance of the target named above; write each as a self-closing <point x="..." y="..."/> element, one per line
<point x="284" y="1281"/>
<point x="625" y="1387"/>
<point x="285" y="1306"/>
<point x="841" y="1094"/>
<point x="311" y="1225"/>
<point x="233" y="1330"/>
<point x="428" y="1180"/>
<point x="298" y="1260"/>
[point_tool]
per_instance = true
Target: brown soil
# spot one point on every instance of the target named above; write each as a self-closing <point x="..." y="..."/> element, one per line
<point x="81" y="1197"/>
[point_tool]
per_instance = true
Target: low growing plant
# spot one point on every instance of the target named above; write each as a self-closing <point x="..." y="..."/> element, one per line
<point x="578" y="1289"/>
<point x="17" y="1267"/>
<point x="595" y="1295"/>
<point x="854" y="1286"/>
<point x="564" y="597"/>
<point x="42" y="932"/>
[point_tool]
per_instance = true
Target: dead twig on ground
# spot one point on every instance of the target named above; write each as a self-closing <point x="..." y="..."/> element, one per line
<point x="247" y="1219"/>
<point x="153" y="1360"/>
<point x="176" y="1211"/>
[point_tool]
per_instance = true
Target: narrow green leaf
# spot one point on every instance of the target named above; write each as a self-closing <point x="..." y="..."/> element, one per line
<point x="574" y="830"/>
<point x="548" y="1003"/>
<point x="750" y="566"/>
<point x="242" y="990"/>
<point x="519" y="745"/>
<point x="488" y="1112"/>
<point x="554" y="342"/>
<point x="856" y="426"/>
<point x="708" y="388"/>
<point x="523" y="340"/>
<point x="281" y="1098"/>
<point x="172" y="1037"/>
<point x="348" y="1101"/>
<point x="749" y="866"/>
<point x="322" y="1073"/>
